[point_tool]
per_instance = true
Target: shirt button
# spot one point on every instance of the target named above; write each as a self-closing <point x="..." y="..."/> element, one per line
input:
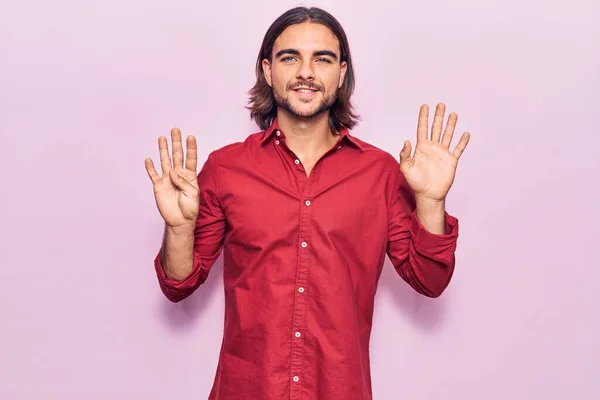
<point x="297" y="162"/>
<point x="278" y="133"/>
<point x="307" y="203"/>
<point x="304" y="244"/>
<point x="296" y="379"/>
<point x="301" y="289"/>
<point x="277" y="142"/>
<point x="297" y="334"/>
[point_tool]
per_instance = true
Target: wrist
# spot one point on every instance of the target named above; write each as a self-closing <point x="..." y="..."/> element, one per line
<point x="180" y="230"/>
<point x="431" y="213"/>
<point x="429" y="204"/>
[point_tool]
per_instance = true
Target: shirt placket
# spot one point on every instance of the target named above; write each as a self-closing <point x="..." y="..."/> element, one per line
<point x="302" y="289"/>
<point x="302" y="269"/>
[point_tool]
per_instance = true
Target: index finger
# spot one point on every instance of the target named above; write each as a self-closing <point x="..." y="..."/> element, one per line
<point x="191" y="158"/>
<point x="165" y="160"/>
<point x="423" y="124"/>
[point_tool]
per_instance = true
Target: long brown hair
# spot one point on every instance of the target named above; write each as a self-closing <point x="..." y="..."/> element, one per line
<point x="262" y="105"/>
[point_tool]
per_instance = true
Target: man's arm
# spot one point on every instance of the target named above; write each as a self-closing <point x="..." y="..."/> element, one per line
<point x="187" y="254"/>
<point x="177" y="252"/>
<point x="422" y="239"/>
<point x="422" y="235"/>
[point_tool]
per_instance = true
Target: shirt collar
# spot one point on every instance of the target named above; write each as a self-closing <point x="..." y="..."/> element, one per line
<point x="344" y="135"/>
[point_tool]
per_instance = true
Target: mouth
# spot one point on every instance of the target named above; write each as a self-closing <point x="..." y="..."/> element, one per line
<point x="305" y="92"/>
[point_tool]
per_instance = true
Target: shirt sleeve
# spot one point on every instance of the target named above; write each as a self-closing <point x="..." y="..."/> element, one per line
<point x="209" y="235"/>
<point x="425" y="260"/>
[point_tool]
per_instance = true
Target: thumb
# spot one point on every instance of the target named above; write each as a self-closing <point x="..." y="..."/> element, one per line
<point x="405" y="153"/>
<point x="181" y="183"/>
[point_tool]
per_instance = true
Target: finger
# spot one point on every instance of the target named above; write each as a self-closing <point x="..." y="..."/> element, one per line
<point x="165" y="160"/>
<point x="177" y="148"/>
<point x="462" y="144"/>
<point x="191" y="159"/>
<point x="449" y="131"/>
<point x="406" y="151"/>
<point x="181" y="182"/>
<point x="154" y="177"/>
<point x="423" y="124"/>
<point x="438" y="120"/>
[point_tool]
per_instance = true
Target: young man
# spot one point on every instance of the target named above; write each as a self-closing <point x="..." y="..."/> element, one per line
<point x="305" y="214"/>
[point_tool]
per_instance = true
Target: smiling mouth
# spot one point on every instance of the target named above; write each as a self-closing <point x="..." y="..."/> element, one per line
<point x="305" y="90"/>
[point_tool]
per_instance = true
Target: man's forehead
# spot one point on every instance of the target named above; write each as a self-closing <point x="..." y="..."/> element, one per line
<point x="307" y="37"/>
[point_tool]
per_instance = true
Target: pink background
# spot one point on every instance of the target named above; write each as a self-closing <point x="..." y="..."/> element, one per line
<point x="86" y="87"/>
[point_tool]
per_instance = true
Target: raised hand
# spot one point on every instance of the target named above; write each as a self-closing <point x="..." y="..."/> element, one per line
<point x="176" y="191"/>
<point x="430" y="171"/>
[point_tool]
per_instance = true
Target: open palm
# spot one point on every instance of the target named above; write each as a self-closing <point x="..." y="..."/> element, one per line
<point x="430" y="171"/>
<point x="176" y="192"/>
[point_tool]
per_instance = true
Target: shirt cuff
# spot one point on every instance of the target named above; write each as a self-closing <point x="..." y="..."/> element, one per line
<point x="172" y="285"/>
<point x="436" y="246"/>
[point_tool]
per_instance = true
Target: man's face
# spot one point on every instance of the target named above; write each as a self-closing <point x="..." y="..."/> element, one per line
<point x="305" y="73"/>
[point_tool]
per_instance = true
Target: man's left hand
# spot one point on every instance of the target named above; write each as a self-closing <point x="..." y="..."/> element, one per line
<point x="430" y="171"/>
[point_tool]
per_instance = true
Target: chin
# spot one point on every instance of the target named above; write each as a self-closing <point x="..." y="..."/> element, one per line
<point x="306" y="113"/>
<point x="306" y="106"/>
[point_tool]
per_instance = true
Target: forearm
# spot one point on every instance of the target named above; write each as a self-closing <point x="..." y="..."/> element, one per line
<point x="427" y="263"/>
<point x="431" y="214"/>
<point x="177" y="252"/>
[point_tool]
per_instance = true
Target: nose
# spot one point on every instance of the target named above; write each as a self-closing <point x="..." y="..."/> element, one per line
<point x="305" y="71"/>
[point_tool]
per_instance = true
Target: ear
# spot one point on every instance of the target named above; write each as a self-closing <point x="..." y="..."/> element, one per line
<point x="266" y="67"/>
<point x="343" y="69"/>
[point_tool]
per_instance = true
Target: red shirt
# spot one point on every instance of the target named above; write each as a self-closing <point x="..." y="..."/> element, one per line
<point x="302" y="259"/>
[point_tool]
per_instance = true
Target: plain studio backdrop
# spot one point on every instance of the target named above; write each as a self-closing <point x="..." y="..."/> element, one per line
<point x="86" y="88"/>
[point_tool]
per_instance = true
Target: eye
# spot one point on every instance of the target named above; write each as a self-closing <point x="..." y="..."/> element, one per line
<point x="287" y="58"/>
<point x="325" y="60"/>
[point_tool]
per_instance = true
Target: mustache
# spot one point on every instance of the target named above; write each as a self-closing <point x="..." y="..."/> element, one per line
<point x="309" y="85"/>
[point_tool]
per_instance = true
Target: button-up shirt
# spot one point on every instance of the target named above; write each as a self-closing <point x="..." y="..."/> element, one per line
<point x="302" y="258"/>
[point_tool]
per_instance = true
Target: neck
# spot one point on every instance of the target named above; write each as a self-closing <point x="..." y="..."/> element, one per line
<point x="309" y="137"/>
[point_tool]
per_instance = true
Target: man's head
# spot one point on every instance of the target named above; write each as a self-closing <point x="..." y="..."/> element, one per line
<point x="304" y="68"/>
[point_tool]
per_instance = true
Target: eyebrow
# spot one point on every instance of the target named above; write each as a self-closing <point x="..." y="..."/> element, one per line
<point x="316" y="53"/>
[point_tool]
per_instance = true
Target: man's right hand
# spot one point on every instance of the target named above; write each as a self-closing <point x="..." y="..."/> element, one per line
<point x="176" y="192"/>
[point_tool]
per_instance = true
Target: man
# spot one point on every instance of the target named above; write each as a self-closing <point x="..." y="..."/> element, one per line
<point x="305" y="214"/>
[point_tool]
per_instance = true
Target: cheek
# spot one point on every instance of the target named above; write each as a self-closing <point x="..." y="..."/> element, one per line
<point x="332" y="82"/>
<point x="279" y="79"/>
